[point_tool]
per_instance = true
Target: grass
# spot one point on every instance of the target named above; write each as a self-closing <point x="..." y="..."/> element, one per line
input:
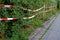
<point x="34" y="23"/>
<point x="21" y="33"/>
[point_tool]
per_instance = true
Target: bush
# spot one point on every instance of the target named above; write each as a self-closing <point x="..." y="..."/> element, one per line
<point x="17" y="12"/>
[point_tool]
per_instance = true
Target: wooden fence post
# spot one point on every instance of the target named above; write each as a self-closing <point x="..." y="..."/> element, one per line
<point x="43" y="12"/>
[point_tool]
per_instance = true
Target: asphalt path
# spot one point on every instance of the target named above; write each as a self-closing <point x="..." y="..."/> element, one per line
<point x="54" y="31"/>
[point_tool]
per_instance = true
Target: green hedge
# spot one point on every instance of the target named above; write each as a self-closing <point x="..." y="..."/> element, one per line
<point x="18" y="26"/>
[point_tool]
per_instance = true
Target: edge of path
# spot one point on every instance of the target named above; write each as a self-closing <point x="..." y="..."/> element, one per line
<point x="49" y="25"/>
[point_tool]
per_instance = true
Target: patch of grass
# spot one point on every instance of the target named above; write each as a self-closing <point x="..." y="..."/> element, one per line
<point x="23" y="34"/>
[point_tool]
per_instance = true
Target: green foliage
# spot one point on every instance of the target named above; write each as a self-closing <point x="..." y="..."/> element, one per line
<point x="36" y="22"/>
<point x="18" y="26"/>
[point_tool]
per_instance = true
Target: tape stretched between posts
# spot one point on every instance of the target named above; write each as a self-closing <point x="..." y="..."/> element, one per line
<point x="9" y="6"/>
<point x="4" y="19"/>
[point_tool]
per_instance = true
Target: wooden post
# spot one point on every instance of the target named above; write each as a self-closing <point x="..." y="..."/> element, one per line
<point x="44" y="12"/>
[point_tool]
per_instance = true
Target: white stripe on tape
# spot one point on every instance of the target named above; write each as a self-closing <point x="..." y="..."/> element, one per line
<point x="9" y="18"/>
<point x="32" y="16"/>
<point x="6" y="5"/>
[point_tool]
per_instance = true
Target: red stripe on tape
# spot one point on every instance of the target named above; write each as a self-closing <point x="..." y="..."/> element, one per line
<point x="11" y="6"/>
<point x="14" y="18"/>
<point x="3" y="18"/>
<point x="1" y="5"/>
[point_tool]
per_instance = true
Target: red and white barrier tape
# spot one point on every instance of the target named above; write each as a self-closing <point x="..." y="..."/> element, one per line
<point x="9" y="6"/>
<point x="4" y="19"/>
<point x="30" y="10"/>
<point x="30" y="17"/>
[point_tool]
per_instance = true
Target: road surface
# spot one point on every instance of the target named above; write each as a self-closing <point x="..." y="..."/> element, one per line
<point x="54" y="32"/>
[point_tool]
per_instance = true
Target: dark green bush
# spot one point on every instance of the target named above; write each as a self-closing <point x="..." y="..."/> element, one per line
<point x="17" y="12"/>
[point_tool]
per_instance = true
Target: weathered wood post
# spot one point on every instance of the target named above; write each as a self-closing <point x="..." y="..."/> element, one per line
<point x="44" y="10"/>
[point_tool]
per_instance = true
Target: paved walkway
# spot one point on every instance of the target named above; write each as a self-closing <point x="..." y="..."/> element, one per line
<point x="54" y="32"/>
